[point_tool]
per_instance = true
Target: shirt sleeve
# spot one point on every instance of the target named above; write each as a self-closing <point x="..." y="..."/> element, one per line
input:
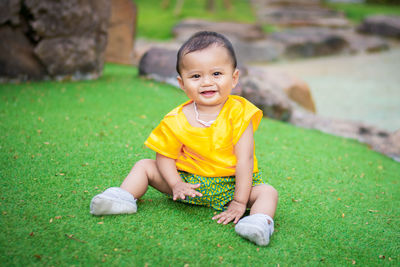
<point x="163" y="140"/>
<point x="244" y="114"/>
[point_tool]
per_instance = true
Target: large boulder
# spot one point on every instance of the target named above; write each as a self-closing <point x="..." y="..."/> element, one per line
<point x="295" y="88"/>
<point x="274" y="103"/>
<point x="143" y="45"/>
<point x="363" y="43"/>
<point x="17" y="58"/>
<point x="310" y="42"/>
<point x="66" y="39"/>
<point x="9" y="10"/>
<point x="121" y="32"/>
<point x="380" y="140"/>
<point x="159" y="64"/>
<point x="388" y="26"/>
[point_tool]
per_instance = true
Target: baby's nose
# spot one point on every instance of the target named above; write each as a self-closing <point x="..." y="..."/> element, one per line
<point x="207" y="80"/>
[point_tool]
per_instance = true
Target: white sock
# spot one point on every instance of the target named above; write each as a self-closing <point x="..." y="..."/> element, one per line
<point x="257" y="228"/>
<point x="114" y="200"/>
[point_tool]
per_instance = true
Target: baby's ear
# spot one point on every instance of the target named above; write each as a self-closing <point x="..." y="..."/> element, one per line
<point x="235" y="78"/>
<point x="180" y="81"/>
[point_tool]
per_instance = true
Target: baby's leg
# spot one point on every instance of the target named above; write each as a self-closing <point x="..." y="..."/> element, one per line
<point x="263" y="199"/>
<point x="122" y="200"/>
<point x="145" y="173"/>
<point x="259" y="226"/>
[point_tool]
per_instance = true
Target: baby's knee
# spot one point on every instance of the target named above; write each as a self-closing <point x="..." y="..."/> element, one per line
<point x="270" y="191"/>
<point x="148" y="165"/>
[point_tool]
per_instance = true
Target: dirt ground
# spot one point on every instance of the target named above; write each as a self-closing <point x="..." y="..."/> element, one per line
<point x="364" y="87"/>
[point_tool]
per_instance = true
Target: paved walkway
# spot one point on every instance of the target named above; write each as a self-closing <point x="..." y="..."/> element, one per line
<point x="359" y="87"/>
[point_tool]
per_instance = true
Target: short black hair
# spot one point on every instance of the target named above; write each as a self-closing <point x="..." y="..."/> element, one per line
<point x="202" y="40"/>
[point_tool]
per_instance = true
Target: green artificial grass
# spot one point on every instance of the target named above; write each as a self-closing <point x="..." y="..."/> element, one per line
<point x="357" y="12"/>
<point x="154" y="22"/>
<point x="61" y="143"/>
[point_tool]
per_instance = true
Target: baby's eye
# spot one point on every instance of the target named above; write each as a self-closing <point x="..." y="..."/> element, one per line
<point x="195" y="76"/>
<point x="217" y="73"/>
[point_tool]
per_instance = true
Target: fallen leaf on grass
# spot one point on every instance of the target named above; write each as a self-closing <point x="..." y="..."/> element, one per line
<point x="37" y="256"/>
<point x="73" y="238"/>
<point x="100" y="223"/>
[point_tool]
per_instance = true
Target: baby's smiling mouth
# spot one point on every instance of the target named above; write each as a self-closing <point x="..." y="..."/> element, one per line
<point x="208" y="92"/>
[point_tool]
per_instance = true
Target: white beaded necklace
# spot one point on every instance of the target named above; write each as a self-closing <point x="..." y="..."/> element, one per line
<point x="204" y="123"/>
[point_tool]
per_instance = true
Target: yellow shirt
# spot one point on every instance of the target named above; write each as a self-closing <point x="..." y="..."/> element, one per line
<point x="205" y="151"/>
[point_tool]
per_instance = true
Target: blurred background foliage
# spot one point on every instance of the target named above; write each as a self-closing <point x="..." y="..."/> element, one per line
<point x="156" y="18"/>
<point x="356" y="12"/>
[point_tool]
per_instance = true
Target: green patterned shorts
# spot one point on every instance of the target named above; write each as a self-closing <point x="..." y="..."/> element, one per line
<point x="217" y="191"/>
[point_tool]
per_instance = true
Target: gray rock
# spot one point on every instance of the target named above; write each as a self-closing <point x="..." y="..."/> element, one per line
<point x="69" y="18"/>
<point x="260" y="51"/>
<point x="143" y="45"/>
<point x="242" y="31"/>
<point x="388" y="26"/>
<point x="363" y="43"/>
<point x="296" y="89"/>
<point x="9" y="10"/>
<point x="274" y="103"/>
<point x="70" y="56"/>
<point x="58" y="38"/>
<point x="380" y="140"/>
<point x="310" y="42"/>
<point x="17" y="58"/>
<point x="159" y="64"/>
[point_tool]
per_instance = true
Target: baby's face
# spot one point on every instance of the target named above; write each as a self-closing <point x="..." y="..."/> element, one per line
<point x="207" y="76"/>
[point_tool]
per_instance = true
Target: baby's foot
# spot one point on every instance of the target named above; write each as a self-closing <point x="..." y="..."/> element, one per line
<point x="257" y="228"/>
<point x="114" y="200"/>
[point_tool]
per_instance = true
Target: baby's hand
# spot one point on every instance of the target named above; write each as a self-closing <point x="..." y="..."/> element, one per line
<point x="234" y="212"/>
<point x="182" y="189"/>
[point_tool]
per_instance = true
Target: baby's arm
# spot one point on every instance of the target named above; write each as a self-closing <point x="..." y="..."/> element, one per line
<point x="179" y="188"/>
<point x="244" y="151"/>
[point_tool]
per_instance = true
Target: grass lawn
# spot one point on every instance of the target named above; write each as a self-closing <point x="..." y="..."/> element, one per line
<point x="357" y="12"/>
<point x="61" y="143"/>
<point x="156" y="23"/>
